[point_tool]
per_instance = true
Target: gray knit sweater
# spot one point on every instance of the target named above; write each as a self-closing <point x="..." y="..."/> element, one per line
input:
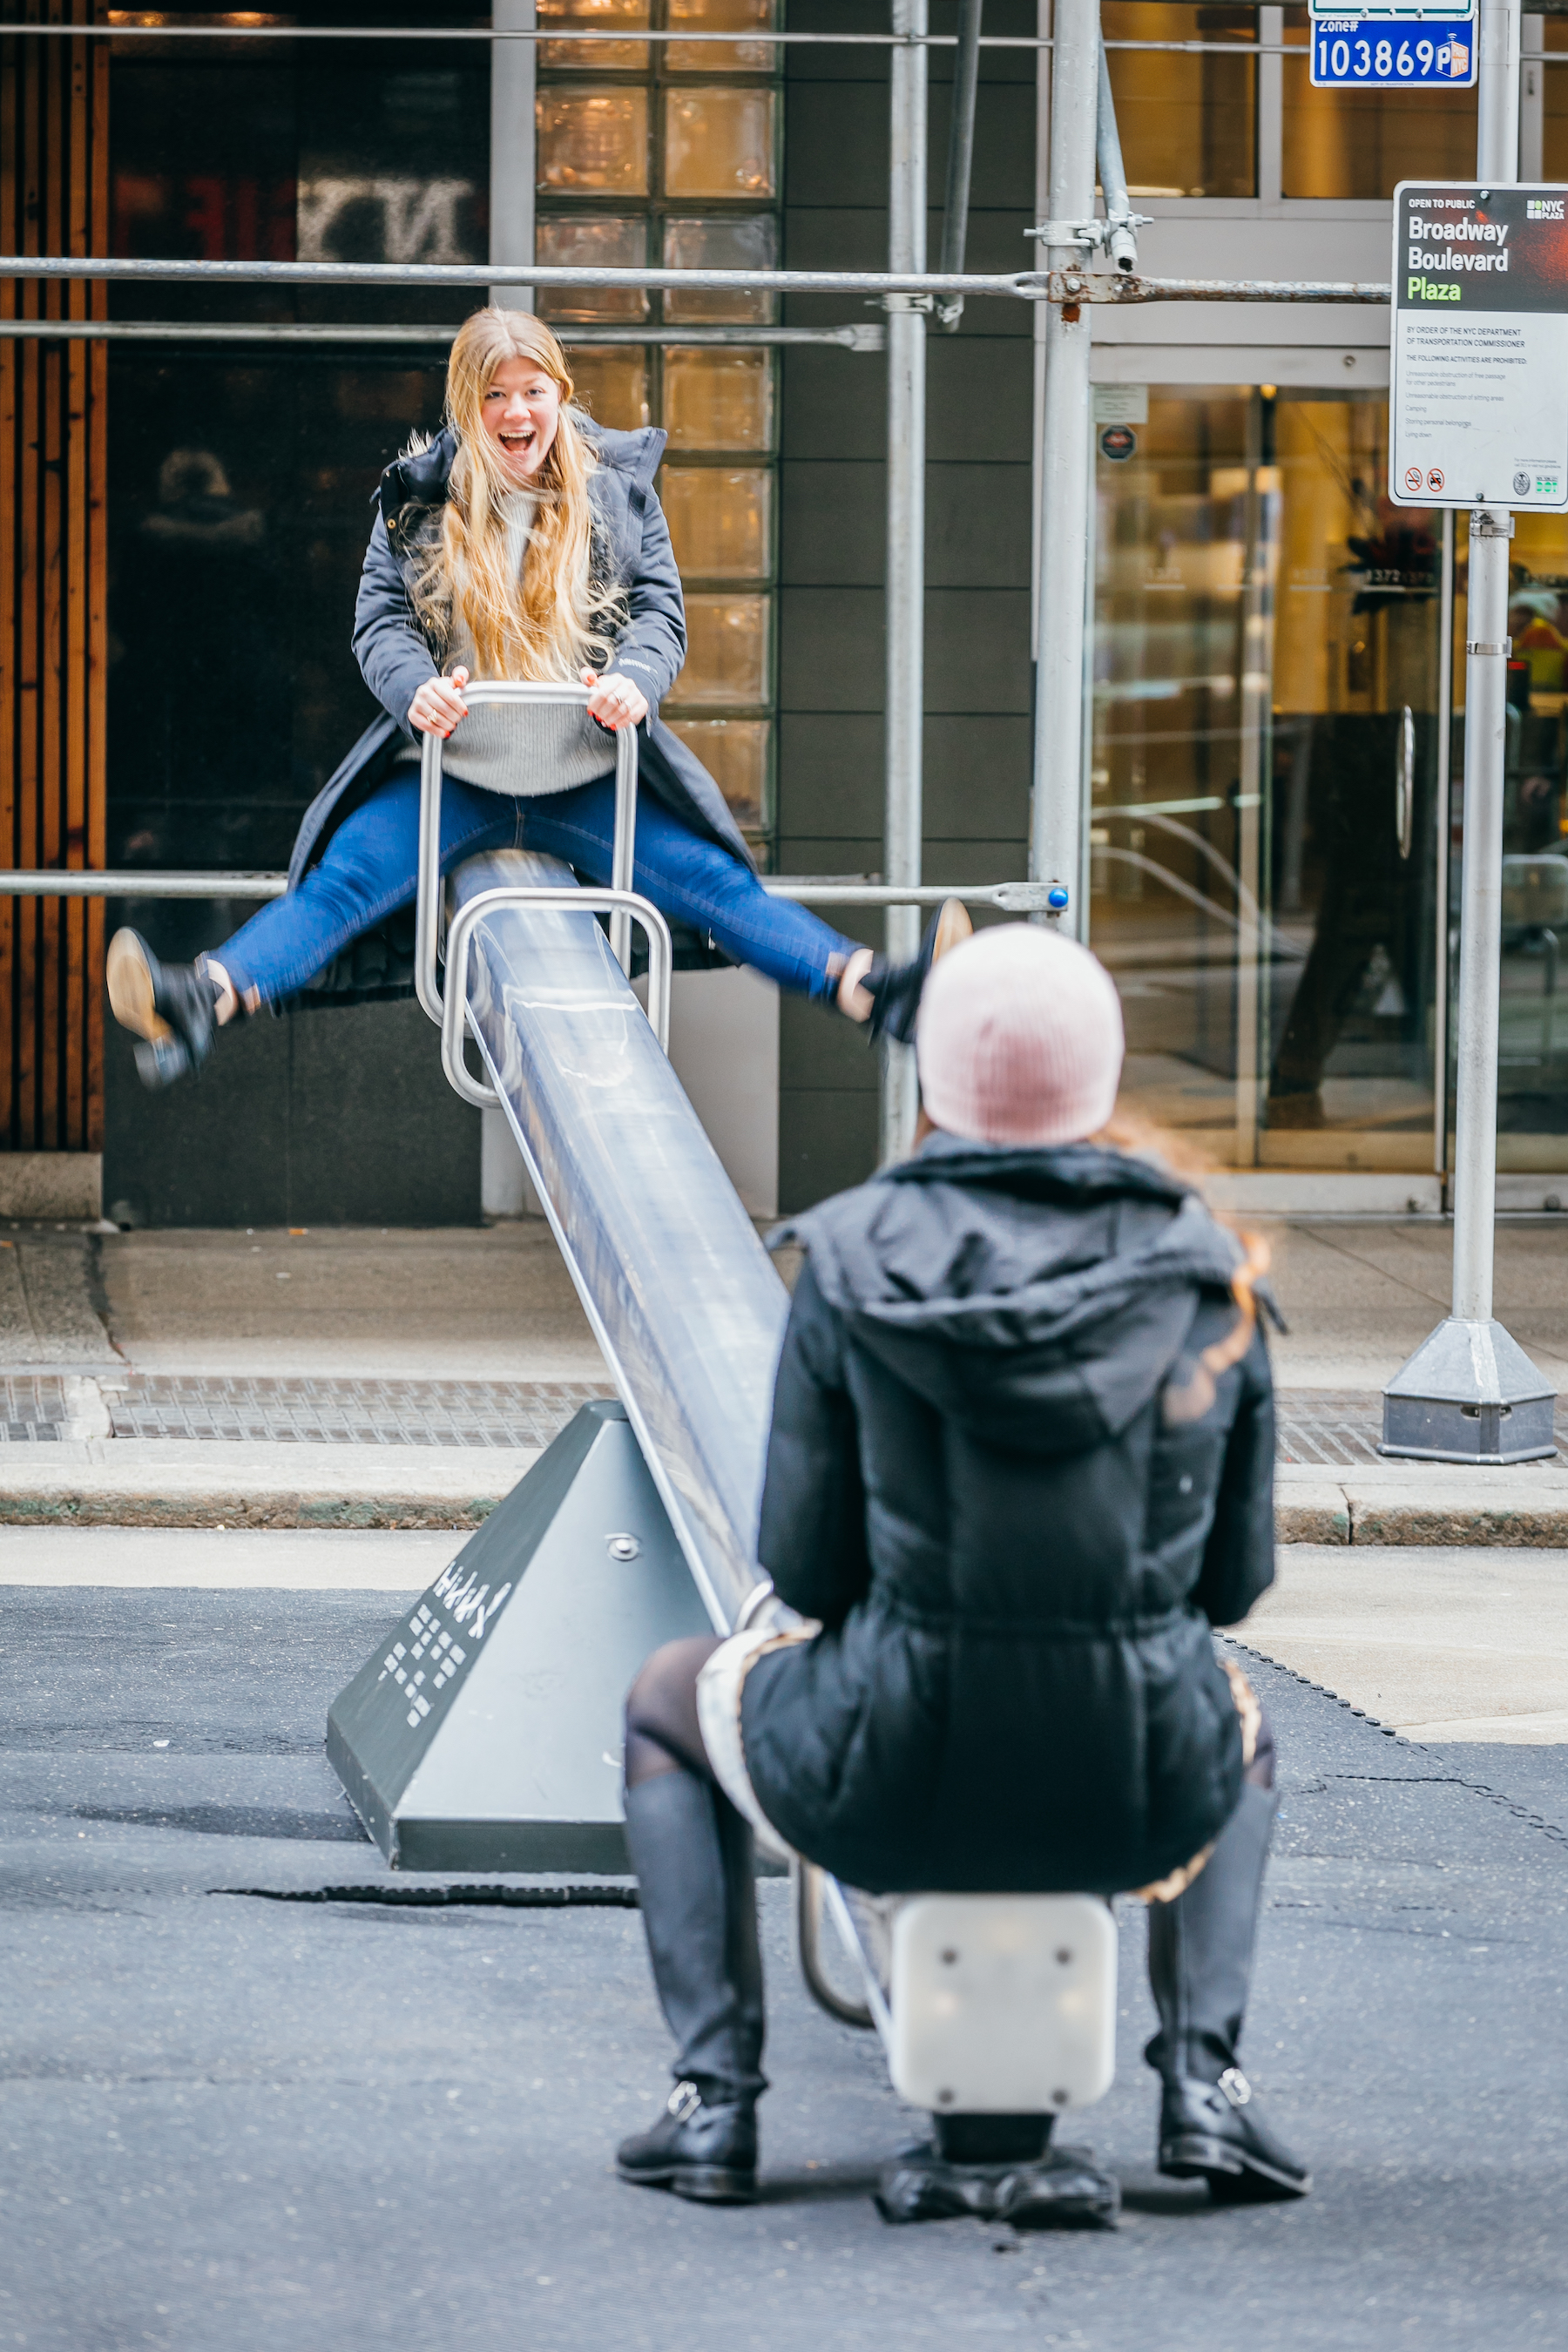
<point x="520" y="751"/>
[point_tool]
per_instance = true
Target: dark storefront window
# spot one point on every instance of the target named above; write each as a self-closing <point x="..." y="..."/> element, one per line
<point x="241" y="475"/>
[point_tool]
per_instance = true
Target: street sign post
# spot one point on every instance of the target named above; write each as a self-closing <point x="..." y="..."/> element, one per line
<point x="1393" y="48"/>
<point x="1472" y="418"/>
<point x="1479" y="357"/>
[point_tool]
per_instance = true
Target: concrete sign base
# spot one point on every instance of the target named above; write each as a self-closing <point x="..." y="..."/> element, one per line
<point x="1469" y="1394"/>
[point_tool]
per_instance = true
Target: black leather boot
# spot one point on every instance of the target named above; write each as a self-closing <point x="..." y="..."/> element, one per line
<point x="692" y="1854"/>
<point x="1200" y="1967"/>
<point x="170" y="1008"/>
<point x="1212" y="2131"/>
<point x="705" y="2153"/>
<point x="895" y="988"/>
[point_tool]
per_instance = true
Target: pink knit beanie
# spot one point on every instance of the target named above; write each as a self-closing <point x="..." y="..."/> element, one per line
<point x="1019" y="1038"/>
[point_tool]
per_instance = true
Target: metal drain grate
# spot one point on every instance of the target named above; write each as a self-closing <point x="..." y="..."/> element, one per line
<point x="31" y="1407"/>
<point x="347" y="1412"/>
<point x="1331" y="1429"/>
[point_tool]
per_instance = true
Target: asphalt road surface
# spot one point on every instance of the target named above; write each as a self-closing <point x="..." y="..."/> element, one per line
<point x="234" y="2121"/>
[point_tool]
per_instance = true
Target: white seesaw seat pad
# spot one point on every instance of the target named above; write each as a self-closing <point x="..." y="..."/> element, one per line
<point x="1003" y="2004"/>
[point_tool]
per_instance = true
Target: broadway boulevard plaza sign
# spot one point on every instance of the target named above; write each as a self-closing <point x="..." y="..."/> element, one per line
<point x="1479" y="395"/>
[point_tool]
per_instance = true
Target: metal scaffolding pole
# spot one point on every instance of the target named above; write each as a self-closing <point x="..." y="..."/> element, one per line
<point x="512" y="146"/>
<point x="960" y="154"/>
<point x="1037" y="409"/>
<point x="907" y="317"/>
<point x="1469" y="1394"/>
<point x="1055" y="823"/>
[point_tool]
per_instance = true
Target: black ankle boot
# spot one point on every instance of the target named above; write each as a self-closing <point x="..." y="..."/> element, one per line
<point x="895" y="988"/>
<point x="171" y="1009"/>
<point x="1200" y="1968"/>
<point x="1213" y="2132"/>
<point x="708" y="2153"/>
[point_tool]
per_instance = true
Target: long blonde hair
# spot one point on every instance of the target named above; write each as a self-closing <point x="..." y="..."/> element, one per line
<point x="562" y="616"/>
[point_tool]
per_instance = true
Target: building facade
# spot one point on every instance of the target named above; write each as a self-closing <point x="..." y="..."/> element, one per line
<point x="1276" y="707"/>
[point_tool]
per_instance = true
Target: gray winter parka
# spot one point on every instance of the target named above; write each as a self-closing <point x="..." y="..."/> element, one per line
<point x="1022" y="1460"/>
<point x="631" y="540"/>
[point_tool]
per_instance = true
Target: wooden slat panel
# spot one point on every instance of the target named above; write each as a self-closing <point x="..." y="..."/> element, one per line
<point x="97" y="683"/>
<point x="29" y="604"/>
<point x="10" y="69"/>
<point x="54" y="684"/>
<point x="53" y="198"/>
<point x="73" y="1104"/>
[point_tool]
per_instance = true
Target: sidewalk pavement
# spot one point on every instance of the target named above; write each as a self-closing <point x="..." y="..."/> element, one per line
<point x="497" y="1305"/>
<point x="1445" y="1647"/>
<point x="1361" y="1294"/>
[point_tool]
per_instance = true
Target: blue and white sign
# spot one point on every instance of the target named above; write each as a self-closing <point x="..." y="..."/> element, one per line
<point x="1382" y="51"/>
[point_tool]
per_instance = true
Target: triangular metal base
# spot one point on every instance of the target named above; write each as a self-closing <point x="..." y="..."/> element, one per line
<point x="1469" y="1394"/>
<point x="485" y="1732"/>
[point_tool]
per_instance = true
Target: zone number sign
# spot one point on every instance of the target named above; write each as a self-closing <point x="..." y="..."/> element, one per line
<point x="1392" y="46"/>
<point x="1478" y="359"/>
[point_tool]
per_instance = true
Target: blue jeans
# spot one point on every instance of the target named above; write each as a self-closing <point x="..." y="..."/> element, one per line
<point x="370" y="868"/>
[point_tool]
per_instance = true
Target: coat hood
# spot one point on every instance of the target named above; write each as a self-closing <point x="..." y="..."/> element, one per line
<point x="420" y="476"/>
<point x="1037" y="1296"/>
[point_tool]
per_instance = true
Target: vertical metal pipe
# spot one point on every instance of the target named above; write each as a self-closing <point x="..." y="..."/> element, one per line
<point x="512" y="147"/>
<point x="1042" y="312"/>
<point x="1256" y="712"/>
<point x="1123" y="240"/>
<point x="960" y="157"/>
<point x="1270" y="106"/>
<point x="906" y="537"/>
<point x="1497" y="114"/>
<point x="1445" y="829"/>
<point x="1532" y="97"/>
<point x="1066" y="430"/>
<point x="1480" y="919"/>
<point x="1486" y="736"/>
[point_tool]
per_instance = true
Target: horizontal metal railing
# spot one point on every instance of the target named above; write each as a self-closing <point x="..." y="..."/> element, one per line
<point x="137" y="268"/>
<point x="871" y="336"/>
<point x="806" y="889"/>
<point x="749" y="36"/>
<point x="1064" y="286"/>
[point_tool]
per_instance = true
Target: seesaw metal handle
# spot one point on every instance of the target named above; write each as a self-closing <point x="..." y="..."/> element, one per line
<point x="620" y="905"/>
<point x="810" y="1888"/>
<point x="623" y="855"/>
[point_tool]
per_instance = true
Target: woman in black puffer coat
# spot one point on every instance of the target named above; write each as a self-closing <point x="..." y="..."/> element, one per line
<point x="1021" y="1463"/>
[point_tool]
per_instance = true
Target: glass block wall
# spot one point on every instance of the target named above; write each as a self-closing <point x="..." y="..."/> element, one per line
<point x="669" y="153"/>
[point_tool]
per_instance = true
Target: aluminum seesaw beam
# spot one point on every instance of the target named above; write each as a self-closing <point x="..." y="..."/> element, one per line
<point x="682" y="1299"/>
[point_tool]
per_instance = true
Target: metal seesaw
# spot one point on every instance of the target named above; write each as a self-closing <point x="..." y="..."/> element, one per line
<point x="484" y="1734"/>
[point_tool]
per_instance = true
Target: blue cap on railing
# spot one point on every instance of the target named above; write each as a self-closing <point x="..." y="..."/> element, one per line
<point x="1057" y="899"/>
